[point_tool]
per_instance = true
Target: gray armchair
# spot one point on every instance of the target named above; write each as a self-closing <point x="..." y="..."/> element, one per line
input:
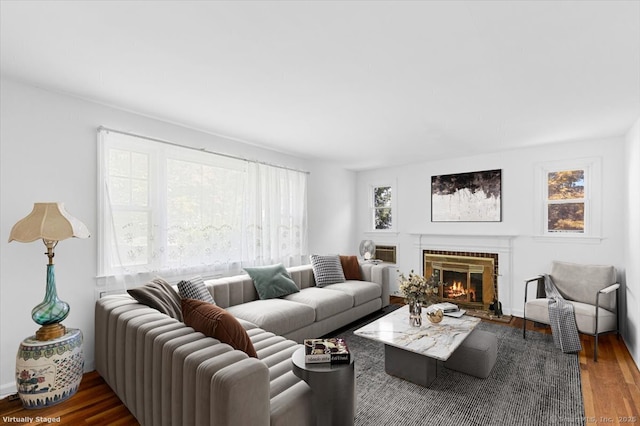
<point x="591" y="289"/>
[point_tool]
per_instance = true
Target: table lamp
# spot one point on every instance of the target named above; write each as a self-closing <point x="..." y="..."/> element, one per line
<point x="50" y="364"/>
<point x="51" y="223"/>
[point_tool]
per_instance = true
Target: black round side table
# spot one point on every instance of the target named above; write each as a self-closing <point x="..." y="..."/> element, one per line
<point x="333" y="388"/>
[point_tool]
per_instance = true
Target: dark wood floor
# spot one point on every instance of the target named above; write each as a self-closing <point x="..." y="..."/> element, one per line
<point x="610" y="388"/>
<point x="93" y="404"/>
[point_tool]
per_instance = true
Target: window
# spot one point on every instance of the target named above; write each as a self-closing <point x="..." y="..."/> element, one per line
<point x="176" y="211"/>
<point x="570" y="193"/>
<point x="566" y="201"/>
<point x="382" y="207"/>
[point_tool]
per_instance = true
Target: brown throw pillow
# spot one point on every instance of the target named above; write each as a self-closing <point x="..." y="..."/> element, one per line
<point x="159" y="294"/>
<point x="351" y="268"/>
<point x="213" y="321"/>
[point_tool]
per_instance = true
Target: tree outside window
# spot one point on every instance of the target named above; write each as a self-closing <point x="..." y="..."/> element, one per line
<point x="382" y="211"/>
<point x="566" y="201"/>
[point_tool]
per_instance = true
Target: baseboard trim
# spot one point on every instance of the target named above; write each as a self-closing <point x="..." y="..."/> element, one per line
<point x="8" y="389"/>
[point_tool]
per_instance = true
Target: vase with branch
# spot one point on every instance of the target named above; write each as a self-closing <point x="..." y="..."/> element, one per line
<point x="418" y="291"/>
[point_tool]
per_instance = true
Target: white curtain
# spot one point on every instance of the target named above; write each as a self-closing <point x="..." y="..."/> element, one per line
<point x="177" y="212"/>
<point x="276" y="219"/>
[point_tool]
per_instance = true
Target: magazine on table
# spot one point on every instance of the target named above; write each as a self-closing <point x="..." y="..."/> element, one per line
<point x="456" y="314"/>
<point x="333" y="350"/>
<point x="445" y="307"/>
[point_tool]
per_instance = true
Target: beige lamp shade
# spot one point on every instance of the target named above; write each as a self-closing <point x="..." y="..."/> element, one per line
<point x="49" y="222"/>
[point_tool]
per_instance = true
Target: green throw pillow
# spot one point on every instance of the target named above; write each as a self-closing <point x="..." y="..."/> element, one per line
<point x="272" y="281"/>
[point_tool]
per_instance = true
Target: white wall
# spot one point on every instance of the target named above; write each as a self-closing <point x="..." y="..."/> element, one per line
<point x="48" y="153"/>
<point x="531" y="256"/>
<point x="332" y="210"/>
<point x="632" y="246"/>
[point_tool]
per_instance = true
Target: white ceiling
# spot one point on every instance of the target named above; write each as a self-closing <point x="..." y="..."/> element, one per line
<point x="364" y="84"/>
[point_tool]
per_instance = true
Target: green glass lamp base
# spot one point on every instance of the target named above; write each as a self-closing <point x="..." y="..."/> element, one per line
<point x="51" y="311"/>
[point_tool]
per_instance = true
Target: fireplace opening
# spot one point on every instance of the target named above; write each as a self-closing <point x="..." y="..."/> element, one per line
<point x="461" y="282"/>
<point x="455" y="285"/>
<point x="467" y="279"/>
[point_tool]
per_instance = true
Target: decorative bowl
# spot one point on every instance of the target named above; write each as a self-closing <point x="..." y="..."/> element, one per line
<point x="435" y="316"/>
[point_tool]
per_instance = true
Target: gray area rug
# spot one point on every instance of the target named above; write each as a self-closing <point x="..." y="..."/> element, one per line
<point x="532" y="383"/>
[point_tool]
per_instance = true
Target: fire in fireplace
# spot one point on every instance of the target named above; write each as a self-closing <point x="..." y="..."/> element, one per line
<point x="468" y="280"/>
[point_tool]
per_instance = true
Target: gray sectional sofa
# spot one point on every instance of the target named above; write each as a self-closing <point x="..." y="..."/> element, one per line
<point x="168" y="374"/>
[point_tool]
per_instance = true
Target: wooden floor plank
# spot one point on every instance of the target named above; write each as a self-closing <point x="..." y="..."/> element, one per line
<point x="610" y="389"/>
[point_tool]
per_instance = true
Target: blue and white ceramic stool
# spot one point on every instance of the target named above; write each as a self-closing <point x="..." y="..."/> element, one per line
<point x="49" y="371"/>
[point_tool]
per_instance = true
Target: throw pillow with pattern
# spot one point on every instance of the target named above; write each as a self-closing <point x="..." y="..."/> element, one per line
<point x="195" y="288"/>
<point x="327" y="269"/>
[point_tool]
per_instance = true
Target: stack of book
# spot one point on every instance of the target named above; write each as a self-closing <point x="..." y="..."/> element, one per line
<point x="449" y="309"/>
<point x="333" y="350"/>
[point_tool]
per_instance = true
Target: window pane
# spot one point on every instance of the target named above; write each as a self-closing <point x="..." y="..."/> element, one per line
<point x="132" y="229"/>
<point x="119" y="162"/>
<point x="382" y="196"/>
<point x="128" y="178"/>
<point x="566" y="185"/>
<point x="383" y="218"/>
<point x="204" y="219"/>
<point x="139" y="165"/>
<point x="567" y="217"/>
<point x="120" y="191"/>
<point x="139" y="193"/>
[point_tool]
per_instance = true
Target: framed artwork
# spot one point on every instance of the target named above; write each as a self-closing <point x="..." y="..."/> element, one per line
<point x="467" y="197"/>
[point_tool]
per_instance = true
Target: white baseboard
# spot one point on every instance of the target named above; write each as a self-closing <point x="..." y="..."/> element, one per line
<point x="8" y="389"/>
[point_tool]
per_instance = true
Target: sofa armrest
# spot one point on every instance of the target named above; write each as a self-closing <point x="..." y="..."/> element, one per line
<point x="234" y="388"/>
<point x="610" y="288"/>
<point x="526" y="286"/>
<point x="605" y="291"/>
<point x="241" y="392"/>
<point x="536" y="278"/>
<point x="378" y="274"/>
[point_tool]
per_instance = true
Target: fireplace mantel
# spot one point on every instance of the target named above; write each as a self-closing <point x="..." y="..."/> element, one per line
<point x="489" y="240"/>
<point x="502" y="244"/>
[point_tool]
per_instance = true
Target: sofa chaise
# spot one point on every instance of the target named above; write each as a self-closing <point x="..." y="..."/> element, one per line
<point x="167" y="373"/>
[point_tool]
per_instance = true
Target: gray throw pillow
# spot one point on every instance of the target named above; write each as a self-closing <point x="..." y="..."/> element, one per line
<point x="159" y="294"/>
<point x="327" y="270"/>
<point x="272" y="281"/>
<point x="194" y="288"/>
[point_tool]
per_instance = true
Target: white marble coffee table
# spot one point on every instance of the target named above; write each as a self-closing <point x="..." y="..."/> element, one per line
<point x="412" y="353"/>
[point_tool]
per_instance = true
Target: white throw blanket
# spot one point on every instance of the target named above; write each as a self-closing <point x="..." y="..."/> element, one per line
<point x="562" y="319"/>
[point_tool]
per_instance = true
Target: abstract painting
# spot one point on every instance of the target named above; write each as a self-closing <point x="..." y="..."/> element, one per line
<point x="467" y="197"/>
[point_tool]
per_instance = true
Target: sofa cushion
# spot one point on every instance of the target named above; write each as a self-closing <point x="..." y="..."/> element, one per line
<point x="327" y="269"/>
<point x="325" y="302"/>
<point x="538" y="310"/>
<point x="276" y="315"/>
<point x="361" y="291"/>
<point x="159" y="294"/>
<point x="213" y="321"/>
<point x="194" y="288"/>
<point x="272" y="281"/>
<point x="351" y="268"/>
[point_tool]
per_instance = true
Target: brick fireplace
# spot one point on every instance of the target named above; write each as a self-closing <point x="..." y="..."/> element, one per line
<point x="490" y="253"/>
<point x="469" y="279"/>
